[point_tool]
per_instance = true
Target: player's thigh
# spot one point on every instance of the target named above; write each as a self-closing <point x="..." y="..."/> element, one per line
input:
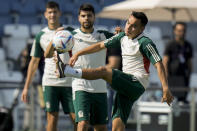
<point x="65" y="97"/>
<point x="127" y="85"/>
<point x="82" y="102"/>
<point x="51" y="98"/>
<point x="98" y="110"/>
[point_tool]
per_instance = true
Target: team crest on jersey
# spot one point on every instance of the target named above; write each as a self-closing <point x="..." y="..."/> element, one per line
<point x="80" y="114"/>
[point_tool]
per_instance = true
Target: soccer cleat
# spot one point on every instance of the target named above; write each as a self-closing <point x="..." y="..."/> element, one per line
<point x="60" y="66"/>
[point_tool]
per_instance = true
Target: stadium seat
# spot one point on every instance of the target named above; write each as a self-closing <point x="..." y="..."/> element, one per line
<point x="2" y="55"/>
<point x="17" y="40"/>
<point x="27" y="7"/>
<point x="11" y="76"/>
<point x="28" y="19"/>
<point x="35" y="29"/>
<point x="17" y="30"/>
<point x="3" y="63"/>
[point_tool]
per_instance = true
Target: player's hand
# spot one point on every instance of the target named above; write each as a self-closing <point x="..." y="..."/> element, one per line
<point x="59" y="29"/>
<point x="118" y="29"/>
<point x="57" y="73"/>
<point x="24" y="96"/>
<point x="167" y="96"/>
<point x="72" y="60"/>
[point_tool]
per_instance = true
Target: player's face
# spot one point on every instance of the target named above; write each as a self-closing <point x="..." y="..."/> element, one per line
<point x="179" y="31"/>
<point x="86" y="19"/>
<point x="133" y="27"/>
<point x="52" y="15"/>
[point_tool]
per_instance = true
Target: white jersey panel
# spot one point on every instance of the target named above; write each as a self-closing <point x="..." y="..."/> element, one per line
<point x="49" y="76"/>
<point x="83" y="40"/>
<point x="132" y="60"/>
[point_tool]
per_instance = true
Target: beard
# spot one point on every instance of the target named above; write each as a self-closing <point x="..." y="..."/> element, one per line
<point x="87" y="25"/>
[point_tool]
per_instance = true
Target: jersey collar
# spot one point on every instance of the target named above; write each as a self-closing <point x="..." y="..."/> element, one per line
<point x="139" y="36"/>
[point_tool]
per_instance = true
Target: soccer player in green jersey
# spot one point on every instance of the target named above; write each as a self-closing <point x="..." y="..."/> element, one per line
<point x="138" y="51"/>
<point x="56" y="90"/>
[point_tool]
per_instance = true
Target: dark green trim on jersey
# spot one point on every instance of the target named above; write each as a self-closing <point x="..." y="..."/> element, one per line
<point x="114" y="41"/>
<point x="74" y="32"/>
<point x="106" y="33"/>
<point x="38" y="52"/>
<point x="148" y="49"/>
<point x="69" y="29"/>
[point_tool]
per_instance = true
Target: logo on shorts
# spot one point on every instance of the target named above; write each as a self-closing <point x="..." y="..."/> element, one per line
<point x="48" y="105"/>
<point x="80" y="113"/>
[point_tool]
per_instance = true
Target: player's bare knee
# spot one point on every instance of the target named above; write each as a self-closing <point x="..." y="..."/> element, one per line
<point x="83" y="124"/>
<point x="100" y="128"/>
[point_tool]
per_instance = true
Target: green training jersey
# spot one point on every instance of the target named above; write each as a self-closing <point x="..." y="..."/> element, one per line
<point x="136" y="55"/>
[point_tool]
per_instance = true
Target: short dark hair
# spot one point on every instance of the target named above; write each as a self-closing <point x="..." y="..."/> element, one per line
<point x="52" y="4"/>
<point x="141" y="16"/>
<point x="180" y="23"/>
<point x="86" y="7"/>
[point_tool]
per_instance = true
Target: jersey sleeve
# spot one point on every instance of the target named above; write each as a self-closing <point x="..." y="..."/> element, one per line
<point x="69" y="28"/>
<point x="114" y="41"/>
<point x="149" y="50"/>
<point x="106" y="33"/>
<point x="36" y="50"/>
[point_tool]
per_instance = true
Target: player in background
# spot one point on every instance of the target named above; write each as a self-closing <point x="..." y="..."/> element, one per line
<point x="56" y="90"/>
<point x="138" y="51"/>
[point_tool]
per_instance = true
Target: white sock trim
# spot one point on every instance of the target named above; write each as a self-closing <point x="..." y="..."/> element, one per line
<point x="71" y="72"/>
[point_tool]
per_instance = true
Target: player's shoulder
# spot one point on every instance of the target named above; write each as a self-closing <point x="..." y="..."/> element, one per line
<point x="144" y="40"/>
<point x="102" y="31"/>
<point x="76" y="31"/>
<point x="106" y="33"/>
<point x="69" y="28"/>
<point x="120" y="35"/>
<point x="39" y="34"/>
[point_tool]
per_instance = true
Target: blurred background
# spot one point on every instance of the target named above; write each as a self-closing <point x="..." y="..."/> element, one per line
<point x="21" y="20"/>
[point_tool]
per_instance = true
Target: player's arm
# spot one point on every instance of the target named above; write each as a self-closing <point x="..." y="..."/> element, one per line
<point x="49" y="51"/>
<point x="165" y="63"/>
<point x="90" y="49"/>
<point x="114" y="62"/>
<point x="167" y="96"/>
<point x="33" y="65"/>
<point x="148" y="48"/>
